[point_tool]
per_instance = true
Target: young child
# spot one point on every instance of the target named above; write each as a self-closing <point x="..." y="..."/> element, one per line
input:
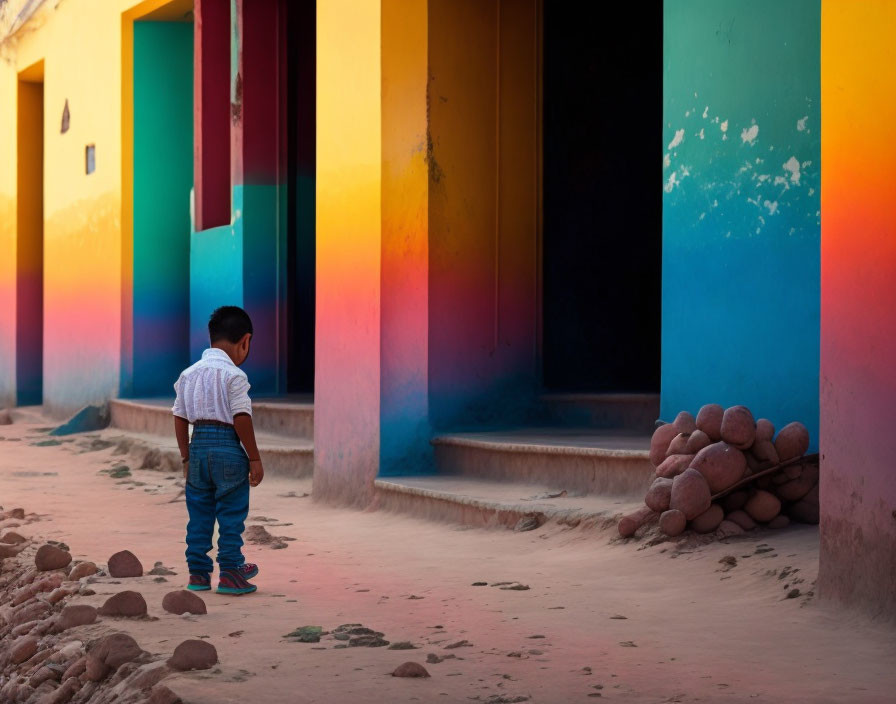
<point x="213" y="395"/>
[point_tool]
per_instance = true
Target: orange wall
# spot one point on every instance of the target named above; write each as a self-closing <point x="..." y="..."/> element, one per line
<point x="858" y="299"/>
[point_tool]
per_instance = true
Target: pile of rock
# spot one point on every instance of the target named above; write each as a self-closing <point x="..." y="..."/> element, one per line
<point x="53" y="651"/>
<point x="723" y="471"/>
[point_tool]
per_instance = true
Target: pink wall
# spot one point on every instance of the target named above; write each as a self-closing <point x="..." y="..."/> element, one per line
<point x="858" y="307"/>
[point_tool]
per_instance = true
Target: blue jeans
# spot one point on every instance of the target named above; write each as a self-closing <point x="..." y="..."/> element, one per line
<point x="217" y="489"/>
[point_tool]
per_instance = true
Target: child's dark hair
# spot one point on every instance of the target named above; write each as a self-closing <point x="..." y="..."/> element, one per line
<point x="229" y="323"/>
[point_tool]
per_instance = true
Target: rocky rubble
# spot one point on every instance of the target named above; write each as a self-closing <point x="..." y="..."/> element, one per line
<point x="54" y="650"/>
<point x="724" y="472"/>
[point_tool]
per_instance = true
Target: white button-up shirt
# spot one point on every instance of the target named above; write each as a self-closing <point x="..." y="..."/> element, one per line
<point x="212" y="389"/>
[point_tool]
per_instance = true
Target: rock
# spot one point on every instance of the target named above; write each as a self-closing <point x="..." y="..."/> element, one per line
<point x="127" y="603"/>
<point x="696" y="442"/>
<point x="13" y="538"/>
<point x="160" y="694"/>
<point x="5" y="417"/>
<point x="780" y="521"/>
<point x="109" y="654"/>
<point x="734" y="501"/>
<point x="721" y="464"/>
<point x="806" y="509"/>
<point x="765" y="452"/>
<point x="23" y="649"/>
<point x="76" y="669"/>
<point x="49" y="557"/>
<point x="765" y="429"/>
<point x="684" y="423"/>
<point x="673" y="466"/>
<point x="82" y="569"/>
<point x="75" y="615"/>
<point x="43" y="674"/>
<point x="742" y="519"/>
<point x="763" y="506"/>
<point x="673" y="522"/>
<point x="96" y="669"/>
<point x="678" y="445"/>
<point x="738" y="427"/>
<point x="795" y="489"/>
<point x="629" y="524"/>
<point x="659" y="443"/>
<point x="410" y="669"/>
<point x="690" y="494"/>
<point x="193" y="655"/>
<point x="792" y="441"/>
<point x="125" y="564"/>
<point x="159" y="569"/>
<point x="709" y="420"/>
<point x="530" y="522"/>
<point x="57" y="595"/>
<point x="183" y="602"/>
<point x="659" y="494"/>
<point x="312" y="634"/>
<point x="375" y="641"/>
<point x="728" y="529"/>
<point x="402" y="645"/>
<point x="10" y="550"/>
<point x="709" y="520"/>
<point x="64" y="693"/>
<point x="793" y="471"/>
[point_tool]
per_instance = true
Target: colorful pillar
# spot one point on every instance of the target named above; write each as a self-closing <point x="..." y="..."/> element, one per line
<point x="858" y="297"/>
<point x="427" y="234"/>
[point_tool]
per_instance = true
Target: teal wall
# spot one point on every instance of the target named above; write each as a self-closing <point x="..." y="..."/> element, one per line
<point x="741" y="220"/>
<point x="163" y="178"/>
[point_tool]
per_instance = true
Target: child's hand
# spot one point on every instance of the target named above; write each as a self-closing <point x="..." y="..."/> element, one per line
<point x="256" y="472"/>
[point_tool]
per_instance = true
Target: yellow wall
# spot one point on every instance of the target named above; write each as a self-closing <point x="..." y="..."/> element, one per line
<point x="80" y="43"/>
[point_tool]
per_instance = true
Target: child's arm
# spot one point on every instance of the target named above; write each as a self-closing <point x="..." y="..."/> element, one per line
<point x="242" y="423"/>
<point x="182" y="433"/>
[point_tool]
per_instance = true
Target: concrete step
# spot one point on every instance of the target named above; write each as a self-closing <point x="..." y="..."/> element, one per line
<point x="484" y="503"/>
<point x="288" y="417"/>
<point x="635" y="412"/>
<point x="282" y="457"/>
<point x="603" y="463"/>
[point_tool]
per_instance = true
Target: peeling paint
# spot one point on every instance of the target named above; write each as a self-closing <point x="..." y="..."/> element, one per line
<point x="748" y="135"/>
<point x="801" y="124"/>
<point x="677" y="139"/>
<point x="793" y="166"/>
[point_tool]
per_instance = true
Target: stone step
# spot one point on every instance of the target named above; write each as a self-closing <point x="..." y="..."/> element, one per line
<point x="606" y="463"/>
<point x="287" y="417"/>
<point x="282" y="457"/>
<point x="484" y="503"/>
<point x="634" y="412"/>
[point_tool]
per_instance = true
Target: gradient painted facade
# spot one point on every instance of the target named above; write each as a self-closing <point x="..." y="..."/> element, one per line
<point x="377" y="207"/>
<point x="741" y="207"/>
<point x="858" y="297"/>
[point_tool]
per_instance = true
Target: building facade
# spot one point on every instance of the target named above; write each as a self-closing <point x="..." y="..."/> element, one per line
<point x="446" y="215"/>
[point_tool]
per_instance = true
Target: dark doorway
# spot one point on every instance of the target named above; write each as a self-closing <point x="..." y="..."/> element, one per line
<point x="301" y="95"/>
<point x="602" y="234"/>
<point x="30" y="237"/>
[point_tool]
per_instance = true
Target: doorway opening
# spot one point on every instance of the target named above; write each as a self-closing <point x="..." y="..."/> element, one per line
<point x="162" y="181"/>
<point x="300" y="135"/>
<point x="602" y="226"/>
<point x="30" y="236"/>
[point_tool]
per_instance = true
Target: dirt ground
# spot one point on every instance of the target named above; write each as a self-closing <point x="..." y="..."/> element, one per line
<point x="602" y="619"/>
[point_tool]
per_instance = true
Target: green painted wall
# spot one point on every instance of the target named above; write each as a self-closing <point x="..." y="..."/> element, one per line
<point x="163" y="178"/>
<point x="741" y="221"/>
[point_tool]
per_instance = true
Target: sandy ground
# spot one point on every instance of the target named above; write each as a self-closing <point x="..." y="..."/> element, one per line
<point x="693" y="630"/>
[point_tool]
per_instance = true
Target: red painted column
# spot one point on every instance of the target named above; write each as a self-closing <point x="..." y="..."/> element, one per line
<point x="211" y="114"/>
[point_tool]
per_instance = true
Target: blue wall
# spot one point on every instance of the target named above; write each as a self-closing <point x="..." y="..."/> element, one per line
<point x="741" y="220"/>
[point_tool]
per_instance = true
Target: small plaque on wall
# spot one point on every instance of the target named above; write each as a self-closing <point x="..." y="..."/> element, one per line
<point x="90" y="158"/>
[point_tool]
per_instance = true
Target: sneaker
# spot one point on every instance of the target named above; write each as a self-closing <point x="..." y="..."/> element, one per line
<point x="200" y="583"/>
<point x="248" y="570"/>
<point x="232" y="582"/>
